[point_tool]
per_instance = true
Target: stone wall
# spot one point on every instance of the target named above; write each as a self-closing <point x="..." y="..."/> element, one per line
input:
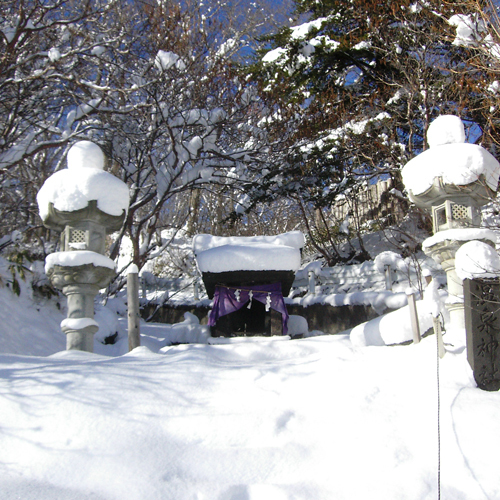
<point x="173" y="314"/>
<point x="330" y="319"/>
<point x="325" y="318"/>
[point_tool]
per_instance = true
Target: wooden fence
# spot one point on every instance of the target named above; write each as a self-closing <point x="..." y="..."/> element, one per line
<point x="375" y="202"/>
<point x="354" y="278"/>
<point x="340" y="279"/>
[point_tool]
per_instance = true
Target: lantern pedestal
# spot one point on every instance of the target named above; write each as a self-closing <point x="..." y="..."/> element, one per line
<point x="80" y="284"/>
<point x="444" y="254"/>
<point x="80" y="340"/>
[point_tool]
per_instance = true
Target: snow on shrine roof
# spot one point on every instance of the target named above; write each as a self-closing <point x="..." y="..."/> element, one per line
<point x="203" y="242"/>
<point x="84" y="180"/>
<point x="216" y="254"/>
<point x="450" y="158"/>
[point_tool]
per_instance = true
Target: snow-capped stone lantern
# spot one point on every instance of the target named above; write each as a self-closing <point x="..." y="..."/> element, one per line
<point x="84" y="203"/>
<point x="454" y="179"/>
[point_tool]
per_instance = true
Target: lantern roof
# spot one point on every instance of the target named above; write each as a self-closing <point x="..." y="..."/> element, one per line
<point x="451" y="167"/>
<point x="71" y="189"/>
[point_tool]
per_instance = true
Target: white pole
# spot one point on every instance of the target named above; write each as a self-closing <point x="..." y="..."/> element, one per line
<point x="439" y="335"/>
<point x="412" y="306"/>
<point x="134" y="332"/>
<point x="312" y="283"/>
<point x="388" y="278"/>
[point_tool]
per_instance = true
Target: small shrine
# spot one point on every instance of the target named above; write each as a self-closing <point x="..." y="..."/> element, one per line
<point x="247" y="278"/>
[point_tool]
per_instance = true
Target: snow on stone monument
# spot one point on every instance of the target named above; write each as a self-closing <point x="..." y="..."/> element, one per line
<point x="84" y="203"/>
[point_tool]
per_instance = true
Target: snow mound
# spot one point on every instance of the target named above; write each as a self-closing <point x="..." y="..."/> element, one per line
<point x="450" y="158"/>
<point x="392" y="328"/>
<point x="477" y="259"/>
<point x="458" y="164"/>
<point x="203" y="242"/>
<point x="389" y="258"/>
<point x="84" y="180"/>
<point x="79" y="258"/>
<point x="85" y="154"/>
<point x="217" y="254"/>
<point x="77" y="323"/>
<point x="395" y="327"/>
<point x="446" y="129"/>
<point x="256" y="257"/>
<point x="297" y="325"/>
<point x="460" y="234"/>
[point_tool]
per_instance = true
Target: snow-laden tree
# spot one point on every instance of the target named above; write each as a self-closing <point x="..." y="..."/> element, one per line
<point x="39" y="56"/>
<point x="354" y="86"/>
<point x="476" y="28"/>
<point x="153" y="83"/>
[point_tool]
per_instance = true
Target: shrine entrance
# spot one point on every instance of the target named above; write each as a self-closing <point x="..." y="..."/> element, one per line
<point x="245" y="321"/>
<point x="247" y="311"/>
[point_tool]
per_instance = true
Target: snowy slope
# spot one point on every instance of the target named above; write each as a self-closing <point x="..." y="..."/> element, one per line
<point x="306" y="419"/>
<point x="263" y="419"/>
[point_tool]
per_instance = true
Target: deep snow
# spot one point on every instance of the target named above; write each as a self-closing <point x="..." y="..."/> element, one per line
<point x="217" y="254"/>
<point x="256" y="419"/>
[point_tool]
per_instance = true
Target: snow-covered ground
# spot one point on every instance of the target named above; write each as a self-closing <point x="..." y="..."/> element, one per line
<point x="261" y="419"/>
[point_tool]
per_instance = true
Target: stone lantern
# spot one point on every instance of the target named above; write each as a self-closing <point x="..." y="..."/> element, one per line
<point x="452" y="215"/>
<point x="84" y="203"/>
<point x="453" y="179"/>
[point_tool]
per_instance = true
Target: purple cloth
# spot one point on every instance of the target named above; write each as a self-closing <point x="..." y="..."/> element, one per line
<point x="226" y="301"/>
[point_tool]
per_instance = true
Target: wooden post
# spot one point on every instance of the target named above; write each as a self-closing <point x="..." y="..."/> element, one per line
<point x="439" y="335"/>
<point x="388" y="278"/>
<point x="196" y="290"/>
<point x="412" y="306"/>
<point x="312" y="283"/>
<point x="134" y="333"/>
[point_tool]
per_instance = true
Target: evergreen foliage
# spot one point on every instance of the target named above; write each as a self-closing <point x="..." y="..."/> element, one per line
<point x="352" y="89"/>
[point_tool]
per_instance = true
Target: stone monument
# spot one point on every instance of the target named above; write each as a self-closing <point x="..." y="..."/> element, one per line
<point x="478" y="264"/>
<point x="84" y="203"/>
